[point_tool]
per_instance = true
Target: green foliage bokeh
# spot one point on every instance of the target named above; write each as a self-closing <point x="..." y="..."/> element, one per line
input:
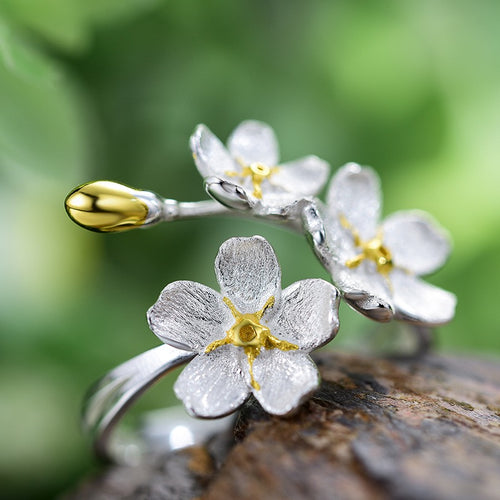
<point x="112" y="89"/>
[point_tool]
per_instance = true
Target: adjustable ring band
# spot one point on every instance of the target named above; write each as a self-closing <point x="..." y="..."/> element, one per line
<point x="164" y="430"/>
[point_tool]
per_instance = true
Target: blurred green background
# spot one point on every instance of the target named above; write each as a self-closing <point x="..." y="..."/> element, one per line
<point x="93" y="89"/>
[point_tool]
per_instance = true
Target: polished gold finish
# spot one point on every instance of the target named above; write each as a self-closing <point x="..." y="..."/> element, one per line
<point x="258" y="172"/>
<point x="373" y="250"/>
<point x="106" y="207"/>
<point x="249" y="333"/>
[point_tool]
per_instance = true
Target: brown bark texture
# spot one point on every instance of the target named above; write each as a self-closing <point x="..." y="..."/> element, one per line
<point x="376" y="429"/>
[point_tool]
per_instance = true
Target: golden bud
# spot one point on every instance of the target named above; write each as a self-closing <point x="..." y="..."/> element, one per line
<point x="106" y="207"/>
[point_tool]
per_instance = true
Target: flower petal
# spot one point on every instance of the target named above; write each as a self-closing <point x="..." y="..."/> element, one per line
<point x="308" y="315"/>
<point x="340" y="240"/>
<point x="305" y="176"/>
<point x="355" y="194"/>
<point x="188" y="315"/>
<point x="421" y="303"/>
<point x="276" y="202"/>
<point x="213" y="385"/>
<point x="286" y="378"/>
<point x="210" y="155"/>
<point x="248" y="273"/>
<point x="364" y="289"/>
<point x="254" y="142"/>
<point x="417" y="243"/>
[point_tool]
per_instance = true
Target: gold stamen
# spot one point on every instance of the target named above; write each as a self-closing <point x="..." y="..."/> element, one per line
<point x="269" y="303"/>
<point x="258" y="172"/>
<point x="373" y="250"/>
<point x="249" y="333"/>
<point x="252" y="353"/>
<point x="355" y="261"/>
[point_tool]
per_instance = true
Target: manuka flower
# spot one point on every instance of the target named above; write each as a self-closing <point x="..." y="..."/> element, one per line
<point x="247" y="174"/>
<point x="250" y="338"/>
<point x="377" y="265"/>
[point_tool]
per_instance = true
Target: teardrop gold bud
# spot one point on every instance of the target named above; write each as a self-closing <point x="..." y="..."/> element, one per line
<point x="106" y="207"/>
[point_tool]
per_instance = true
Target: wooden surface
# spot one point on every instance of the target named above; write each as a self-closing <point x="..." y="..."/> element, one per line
<point x="376" y="429"/>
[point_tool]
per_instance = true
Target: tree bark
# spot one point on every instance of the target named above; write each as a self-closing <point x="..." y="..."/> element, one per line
<point x="376" y="429"/>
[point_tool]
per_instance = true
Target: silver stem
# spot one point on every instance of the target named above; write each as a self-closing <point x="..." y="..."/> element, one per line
<point x="176" y="210"/>
<point x="167" y="210"/>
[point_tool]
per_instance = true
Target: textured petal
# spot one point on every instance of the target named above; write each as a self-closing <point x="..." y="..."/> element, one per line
<point x="355" y="193"/>
<point x="278" y="202"/>
<point x="213" y="385"/>
<point x="305" y="176"/>
<point x="210" y="155"/>
<point x="340" y="239"/>
<point x="286" y="379"/>
<point x="254" y="142"/>
<point x="188" y="315"/>
<point x="364" y="289"/>
<point x="248" y="273"/>
<point x="420" y="302"/>
<point x="308" y="315"/>
<point x="416" y="241"/>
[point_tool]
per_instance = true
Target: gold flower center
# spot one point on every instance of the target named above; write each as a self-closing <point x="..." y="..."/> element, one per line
<point x="373" y="250"/>
<point x="257" y="172"/>
<point x="249" y="333"/>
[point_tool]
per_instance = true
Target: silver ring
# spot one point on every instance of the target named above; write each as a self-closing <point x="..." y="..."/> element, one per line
<point x="253" y="338"/>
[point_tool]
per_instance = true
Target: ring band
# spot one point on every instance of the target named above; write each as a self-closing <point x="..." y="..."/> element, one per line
<point x="163" y="430"/>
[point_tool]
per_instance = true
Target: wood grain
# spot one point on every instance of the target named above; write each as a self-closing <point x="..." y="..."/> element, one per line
<point x="376" y="429"/>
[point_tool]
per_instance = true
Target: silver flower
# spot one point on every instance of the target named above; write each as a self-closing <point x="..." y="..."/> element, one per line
<point x="377" y="265"/>
<point x="246" y="175"/>
<point x="250" y="338"/>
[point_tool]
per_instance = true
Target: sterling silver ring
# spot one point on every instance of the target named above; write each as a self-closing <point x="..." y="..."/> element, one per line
<point x="252" y="338"/>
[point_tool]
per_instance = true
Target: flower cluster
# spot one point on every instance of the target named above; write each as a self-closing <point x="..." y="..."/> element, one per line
<point x="253" y="338"/>
<point x="376" y="266"/>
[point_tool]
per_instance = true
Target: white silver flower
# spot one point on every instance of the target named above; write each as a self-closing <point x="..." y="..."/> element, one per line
<point x="377" y="265"/>
<point x="246" y="175"/>
<point x="250" y="338"/>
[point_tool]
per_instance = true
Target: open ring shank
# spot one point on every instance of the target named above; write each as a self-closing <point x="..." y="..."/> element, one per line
<point x="164" y="430"/>
<point x="112" y="395"/>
